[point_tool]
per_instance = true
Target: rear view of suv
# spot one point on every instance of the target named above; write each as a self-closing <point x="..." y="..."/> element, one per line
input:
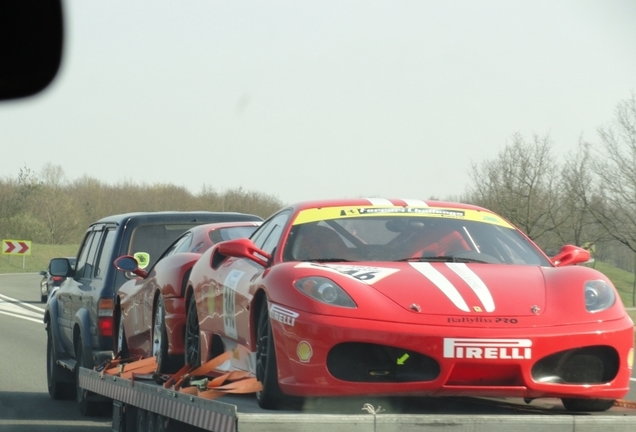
<point x="79" y="315"/>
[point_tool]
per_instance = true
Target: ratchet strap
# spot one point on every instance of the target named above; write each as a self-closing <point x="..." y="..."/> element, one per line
<point x="206" y="381"/>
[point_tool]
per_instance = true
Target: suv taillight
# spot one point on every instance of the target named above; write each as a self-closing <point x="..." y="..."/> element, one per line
<point x="105" y="317"/>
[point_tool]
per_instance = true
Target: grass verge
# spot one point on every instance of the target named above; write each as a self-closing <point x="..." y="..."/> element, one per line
<point x="38" y="260"/>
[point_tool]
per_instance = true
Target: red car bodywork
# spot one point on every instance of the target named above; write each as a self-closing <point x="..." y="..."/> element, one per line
<point x="137" y="298"/>
<point x="421" y="323"/>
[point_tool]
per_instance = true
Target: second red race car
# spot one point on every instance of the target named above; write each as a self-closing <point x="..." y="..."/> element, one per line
<point x="407" y="297"/>
<point x="150" y="311"/>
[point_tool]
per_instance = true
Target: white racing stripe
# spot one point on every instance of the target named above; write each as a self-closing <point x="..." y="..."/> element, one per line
<point x="415" y="203"/>
<point x="442" y="283"/>
<point x="475" y="283"/>
<point x="386" y="202"/>
<point x="380" y="202"/>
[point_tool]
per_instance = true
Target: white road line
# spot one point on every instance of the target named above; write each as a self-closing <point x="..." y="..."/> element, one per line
<point x="15" y="308"/>
<point x="30" y="306"/>
<point x="39" y="321"/>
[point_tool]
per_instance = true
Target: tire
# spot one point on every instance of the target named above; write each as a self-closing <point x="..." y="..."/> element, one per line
<point x="43" y="287"/>
<point x="192" y="343"/>
<point x="121" y="344"/>
<point x="161" y="424"/>
<point x="266" y="370"/>
<point x="166" y="363"/>
<point x="130" y="419"/>
<point x="58" y="389"/>
<point x="87" y="407"/>
<point x="590" y="405"/>
<point x="151" y="422"/>
<point x="141" y="420"/>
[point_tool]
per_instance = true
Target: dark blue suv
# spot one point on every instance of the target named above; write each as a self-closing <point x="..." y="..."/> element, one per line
<point x="79" y="315"/>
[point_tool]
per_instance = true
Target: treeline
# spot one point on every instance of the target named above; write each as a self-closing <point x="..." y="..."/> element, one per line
<point x="44" y="207"/>
<point x="588" y="199"/>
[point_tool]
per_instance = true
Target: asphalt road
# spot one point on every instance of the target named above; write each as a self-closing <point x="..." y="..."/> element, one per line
<point x="25" y="405"/>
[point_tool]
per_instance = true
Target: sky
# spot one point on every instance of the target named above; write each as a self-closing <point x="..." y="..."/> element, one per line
<point x="319" y="99"/>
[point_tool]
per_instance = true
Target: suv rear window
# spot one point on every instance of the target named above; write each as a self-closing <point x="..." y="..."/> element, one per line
<point x="154" y="239"/>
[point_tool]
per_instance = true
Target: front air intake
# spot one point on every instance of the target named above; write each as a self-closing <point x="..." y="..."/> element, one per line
<point x="365" y="362"/>
<point x="589" y="365"/>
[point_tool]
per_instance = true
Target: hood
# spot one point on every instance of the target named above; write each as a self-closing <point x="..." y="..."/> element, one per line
<point x="458" y="288"/>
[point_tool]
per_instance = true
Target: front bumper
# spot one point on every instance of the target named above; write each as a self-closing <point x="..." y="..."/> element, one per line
<point x="327" y="356"/>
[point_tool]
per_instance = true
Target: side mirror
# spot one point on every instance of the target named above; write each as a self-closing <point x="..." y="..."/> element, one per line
<point x="127" y="263"/>
<point x="42" y="273"/>
<point x="60" y="267"/>
<point x="570" y="255"/>
<point x="243" y="248"/>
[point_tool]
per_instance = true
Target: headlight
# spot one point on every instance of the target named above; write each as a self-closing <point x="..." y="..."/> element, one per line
<point x="599" y="295"/>
<point x="325" y="291"/>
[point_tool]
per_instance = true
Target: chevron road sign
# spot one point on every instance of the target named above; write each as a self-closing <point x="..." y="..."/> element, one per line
<point x="16" y="247"/>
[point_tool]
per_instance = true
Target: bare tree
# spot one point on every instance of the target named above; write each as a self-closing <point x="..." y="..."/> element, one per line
<point x="56" y="208"/>
<point x="577" y="196"/>
<point x="521" y="185"/>
<point x="615" y="168"/>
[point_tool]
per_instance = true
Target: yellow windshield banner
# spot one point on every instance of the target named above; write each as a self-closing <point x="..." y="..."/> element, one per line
<point x="330" y="213"/>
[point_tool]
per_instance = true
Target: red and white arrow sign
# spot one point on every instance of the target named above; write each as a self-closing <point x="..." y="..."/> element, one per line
<point x="16" y="247"/>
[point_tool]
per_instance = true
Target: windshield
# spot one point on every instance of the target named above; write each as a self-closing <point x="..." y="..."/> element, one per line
<point x="410" y="238"/>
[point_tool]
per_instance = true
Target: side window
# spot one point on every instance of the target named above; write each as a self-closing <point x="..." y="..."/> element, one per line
<point x="268" y="236"/>
<point x="184" y="244"/>
<point x="105" y="252"/>
<point x="180" y="245"/>
<point x="89" y="266"/>
<point x="81" y="262"/>
<point x="154" y="239"/>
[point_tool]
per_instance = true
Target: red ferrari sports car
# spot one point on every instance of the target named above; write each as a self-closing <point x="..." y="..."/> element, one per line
<point x="150" y="311"/>
<point x="407" y="297"/>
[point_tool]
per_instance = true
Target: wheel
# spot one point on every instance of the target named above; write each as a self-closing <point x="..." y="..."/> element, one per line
<point x="192" y="346"/>
<point x="44" y="292"/>
<point x="58" y="389"/>
<point x="121" y="344"/>
<point x="151" y="422"/>
<point x="162" y="424"/>
<point x="591" y="405"/>
<point x="266" y="371"/>
<point x="130" y="419"/>
<point x="87" y="407"/>
<point x="166" y="363"/>
<point x="141" y="420"/>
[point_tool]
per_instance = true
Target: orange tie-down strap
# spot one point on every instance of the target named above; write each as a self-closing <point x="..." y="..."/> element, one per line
<point x="214" y="383"/>
<point x="238" y="382"/>
<point x="204" y="381"/>
<point x="625" y="404"/>
<point x="128" y="369"/>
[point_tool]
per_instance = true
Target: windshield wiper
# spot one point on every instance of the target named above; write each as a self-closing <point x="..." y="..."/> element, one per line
<point x="444" y="258"/>
<point x="322" y="260"/>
